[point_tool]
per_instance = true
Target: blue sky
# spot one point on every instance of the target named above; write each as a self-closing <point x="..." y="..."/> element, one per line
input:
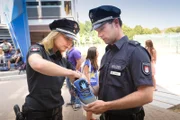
<point x="147" y="13"/>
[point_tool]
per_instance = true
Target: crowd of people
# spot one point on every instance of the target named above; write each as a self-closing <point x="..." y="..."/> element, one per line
<point x="7" y="57"/>
<point x="122" y="83"/>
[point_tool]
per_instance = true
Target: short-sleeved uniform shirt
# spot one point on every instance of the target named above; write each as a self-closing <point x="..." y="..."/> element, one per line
<point x="44" y="90"/>
<point x="124" y="67"/>
<point x="73" y="55"/>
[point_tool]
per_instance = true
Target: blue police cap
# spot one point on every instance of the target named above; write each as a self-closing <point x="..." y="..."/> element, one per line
<point x="102" y="14"/>
<point x="69" y="27"/>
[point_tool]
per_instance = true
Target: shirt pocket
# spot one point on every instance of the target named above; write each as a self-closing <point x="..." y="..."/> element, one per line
<point x="117" y="73"/>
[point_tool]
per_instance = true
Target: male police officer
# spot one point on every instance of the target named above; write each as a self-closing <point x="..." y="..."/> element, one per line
<point x="125" y="72"/>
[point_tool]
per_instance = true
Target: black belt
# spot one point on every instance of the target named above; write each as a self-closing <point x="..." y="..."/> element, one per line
<point x="44" y="114"/>
<point x="116" y="117"/>
<point x="133" y="116"/>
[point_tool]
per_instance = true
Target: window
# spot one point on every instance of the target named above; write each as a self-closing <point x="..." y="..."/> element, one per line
<point x="67" y="7"/>
<point x="51" y="3"/>
<point x="32" y="3"/>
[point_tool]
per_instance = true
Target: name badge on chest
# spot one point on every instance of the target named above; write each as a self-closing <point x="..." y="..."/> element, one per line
<point x="115" y="73"/>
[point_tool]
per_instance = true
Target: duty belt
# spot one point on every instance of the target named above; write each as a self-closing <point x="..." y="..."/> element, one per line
<point x="134" y="116"/>
<point x="44" y="114"/>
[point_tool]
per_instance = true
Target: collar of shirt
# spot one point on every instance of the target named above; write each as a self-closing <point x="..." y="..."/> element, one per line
<point x="118" y="44"/>
<point x="56" y="56"/>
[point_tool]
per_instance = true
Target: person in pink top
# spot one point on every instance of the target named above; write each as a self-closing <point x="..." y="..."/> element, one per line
<point x="152" y="52"/>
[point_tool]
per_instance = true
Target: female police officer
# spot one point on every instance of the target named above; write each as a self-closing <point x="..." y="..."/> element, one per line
<point x="125" y="79"/>
<point x="46" y="71"/>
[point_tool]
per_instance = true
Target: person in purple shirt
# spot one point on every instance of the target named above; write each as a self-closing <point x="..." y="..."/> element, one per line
<point x="74" y="57"/>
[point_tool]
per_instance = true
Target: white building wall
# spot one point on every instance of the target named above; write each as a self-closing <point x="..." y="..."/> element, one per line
<point x="45" y="20"/>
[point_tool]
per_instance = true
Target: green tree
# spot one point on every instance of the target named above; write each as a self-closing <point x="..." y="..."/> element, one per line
<point x="155" y="30"/>
<point x="126" y="29"/>
<point x="81" y="26"/>
<point x="131" y="34"/>
<point x="170" y="30"/>
<point x="178" y="30"/>
<point x="147" y="31"/>
<point x="87" y="36"/>
<point x="138" y="29"/>
<point x="88" y="26"/>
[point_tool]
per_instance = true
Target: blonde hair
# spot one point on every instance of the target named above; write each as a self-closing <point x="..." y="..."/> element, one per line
<point x="48" y="41"/>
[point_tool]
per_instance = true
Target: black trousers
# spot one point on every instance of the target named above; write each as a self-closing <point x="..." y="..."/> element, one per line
<point x="137" y="116"/>
<point x="116" y="117"/>
<point x="55" y="114"/>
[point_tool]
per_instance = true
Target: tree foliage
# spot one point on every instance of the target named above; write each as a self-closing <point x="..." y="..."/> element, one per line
<point x="155" y="30"/>
<point x="147" y="31"/>
<point x="87" y="36"/>
<point x="178" y="30"/>
<point x="138" y="29"/>
<point x="170" y="30"/>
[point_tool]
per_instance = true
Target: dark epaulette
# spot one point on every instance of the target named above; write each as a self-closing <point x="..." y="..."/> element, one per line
<point x="134" y="43"/>
<point x="39" y="44"/>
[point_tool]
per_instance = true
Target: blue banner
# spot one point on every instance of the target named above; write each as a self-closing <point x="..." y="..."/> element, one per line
<point x="15" y="14"/>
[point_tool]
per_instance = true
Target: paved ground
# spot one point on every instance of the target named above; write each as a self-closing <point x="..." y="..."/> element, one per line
<point x="17" y="90"/>
<point x="157" y="113"/>
<point x="152" y="112"/>
<point x="164" y="98"/>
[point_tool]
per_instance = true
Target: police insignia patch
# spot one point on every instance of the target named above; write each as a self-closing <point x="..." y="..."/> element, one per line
<point x="146" y="68"/>
<point x="35" y="49"/>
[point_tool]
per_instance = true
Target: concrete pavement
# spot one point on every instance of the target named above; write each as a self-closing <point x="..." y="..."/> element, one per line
<point x="152" y="112"/>
<point x="17" y="90"/>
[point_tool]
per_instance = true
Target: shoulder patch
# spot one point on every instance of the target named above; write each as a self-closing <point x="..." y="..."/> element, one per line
<point x="35" y="49"/>
<point x="146" y="68"/>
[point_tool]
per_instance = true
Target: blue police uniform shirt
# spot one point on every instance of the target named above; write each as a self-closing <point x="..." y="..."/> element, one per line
<point x="44" y="90"/>
<point x="124" y="67"/>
